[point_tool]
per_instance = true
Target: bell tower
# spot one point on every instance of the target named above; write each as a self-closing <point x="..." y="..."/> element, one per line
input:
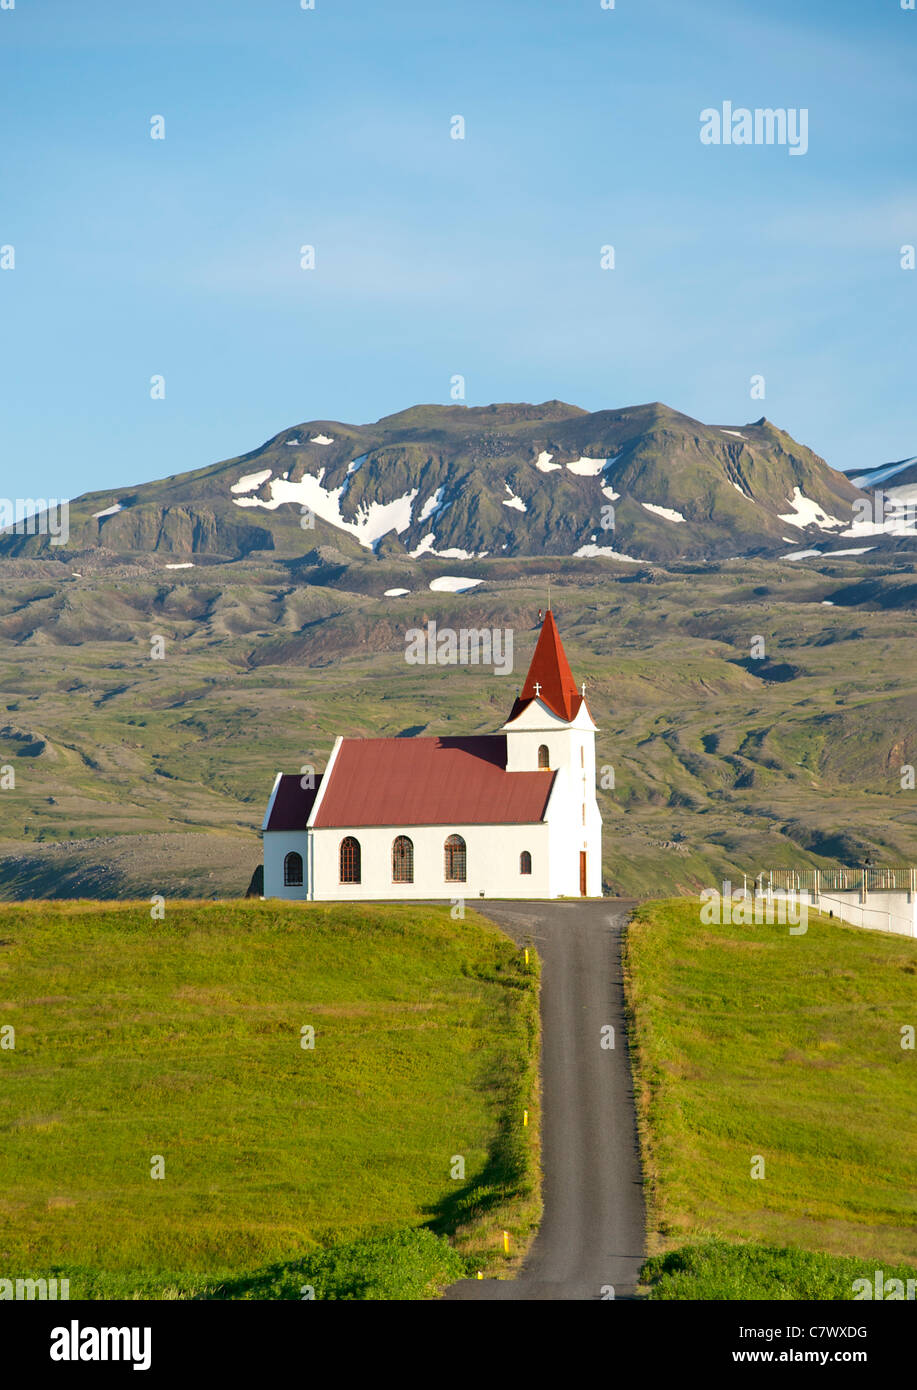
<point x="550" y="727"/>
<point x="550" y="724"/>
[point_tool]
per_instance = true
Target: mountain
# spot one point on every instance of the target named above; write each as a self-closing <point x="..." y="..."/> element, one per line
<point x="892" y="492"/>
<point x="643" y="483"/>
<point x="892" y="477"/>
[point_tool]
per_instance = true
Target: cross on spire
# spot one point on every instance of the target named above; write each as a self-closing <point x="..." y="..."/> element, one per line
<point x="537" y="687"/>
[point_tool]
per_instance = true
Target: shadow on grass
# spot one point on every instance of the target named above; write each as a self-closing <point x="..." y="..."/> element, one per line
<point x="402" y="1264"/>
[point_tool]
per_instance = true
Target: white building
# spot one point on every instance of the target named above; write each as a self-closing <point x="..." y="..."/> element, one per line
<point x="506" y="815"/>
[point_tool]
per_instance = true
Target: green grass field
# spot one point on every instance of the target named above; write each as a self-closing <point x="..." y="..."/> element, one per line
<point x="283" y="1165"/>
<point x="717" y="1270"/>
<point x="752" y="1043"/>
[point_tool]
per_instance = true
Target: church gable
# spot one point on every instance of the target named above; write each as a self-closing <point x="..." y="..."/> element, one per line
<point x="291" y="802"/>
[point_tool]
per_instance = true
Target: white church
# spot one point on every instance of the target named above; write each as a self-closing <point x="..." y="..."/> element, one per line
<point x="505" y="815"/>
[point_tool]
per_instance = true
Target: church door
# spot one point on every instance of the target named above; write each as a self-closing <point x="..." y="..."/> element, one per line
<point x="582" y="873"/>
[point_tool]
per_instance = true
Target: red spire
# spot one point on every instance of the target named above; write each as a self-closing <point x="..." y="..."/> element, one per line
<point x="550" y="671"/>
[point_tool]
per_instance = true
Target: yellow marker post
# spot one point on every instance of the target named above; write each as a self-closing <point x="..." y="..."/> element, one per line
<point x="480" y="1275"/>
<point x="525" y="1117"/>
<point x="526" y="955"/>
<point x="506" y="1242"/>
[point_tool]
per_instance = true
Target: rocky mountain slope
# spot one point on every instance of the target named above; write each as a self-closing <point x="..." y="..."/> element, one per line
<point x="128" y="774"/>
<point x="642" y="483"/>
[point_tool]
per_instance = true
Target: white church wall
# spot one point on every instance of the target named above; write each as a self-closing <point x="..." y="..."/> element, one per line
<point x="277" y="845"/>
<point x="570" y="745"/>
<point x="492" y="851"/>
<point x="571" y="753"/>
<point x="522" y="744"/>
<point x="569" y="836"/>
<point x="492" y="855"/>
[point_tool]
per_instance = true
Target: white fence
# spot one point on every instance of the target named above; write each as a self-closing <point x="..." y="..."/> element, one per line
<point x="879" y="899"/>
<point x="865" y="881"/>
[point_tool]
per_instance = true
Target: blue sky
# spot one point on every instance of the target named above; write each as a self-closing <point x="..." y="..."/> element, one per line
<point x="434" y="256"/>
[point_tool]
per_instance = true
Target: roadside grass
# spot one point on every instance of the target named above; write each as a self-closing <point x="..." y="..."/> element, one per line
<point x="406" y="1263"/>
<point x="182" y="1039"/>
<point x="749" y="1042"/>
<point x="716" y="1270"/>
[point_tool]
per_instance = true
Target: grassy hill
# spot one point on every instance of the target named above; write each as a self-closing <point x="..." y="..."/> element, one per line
<point x="135" y="776"/>
<point x="752" y="1042"/>
<point x="283" y="1166"/>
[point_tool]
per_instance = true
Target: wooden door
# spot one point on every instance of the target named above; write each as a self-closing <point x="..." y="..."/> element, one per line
<point x="582" y="873"/>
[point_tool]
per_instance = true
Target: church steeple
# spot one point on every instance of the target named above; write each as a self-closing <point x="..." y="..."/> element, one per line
<point x="550" y="678"/>
<point x="552" y="730"/>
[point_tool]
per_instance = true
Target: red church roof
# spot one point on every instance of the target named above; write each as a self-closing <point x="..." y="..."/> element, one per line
<point x="430" y="781"/>
<point x="550" y="672"/>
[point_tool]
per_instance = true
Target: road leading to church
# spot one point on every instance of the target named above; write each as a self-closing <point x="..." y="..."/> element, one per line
<point x="592" y="1232"/>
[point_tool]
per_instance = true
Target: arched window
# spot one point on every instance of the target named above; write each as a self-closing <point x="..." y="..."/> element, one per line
<point x="544" y="757"/>
<point x="292" y="871"/>
<point x="350" y="860"/>
<point x="456" y="859"/>
<point x="402" y="860"/>
<point x="525" y="862"/>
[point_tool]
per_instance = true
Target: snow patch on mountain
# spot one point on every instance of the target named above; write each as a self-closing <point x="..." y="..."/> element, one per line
<point x="352" y="469"/>
<point x="591" y="552"/>
<point x="109" y="511"/>
<point x="826" y="554"/>
<point x="431" y="505"/>
<point x="587" y="468"/>
<point x="513" y="500"/>
<point x="453" y="553"/>
<point x="452" y="584"/>
<point x="610" y="493"/>
<point x="669" y="513"/>
<point x="373" y="520"/>
<point x="252" y="480"/>
<point x="733" y="432"/>
<point x="807" y="513"/>
<point x="543" y="463"/>
<point x="321" y="439"/>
